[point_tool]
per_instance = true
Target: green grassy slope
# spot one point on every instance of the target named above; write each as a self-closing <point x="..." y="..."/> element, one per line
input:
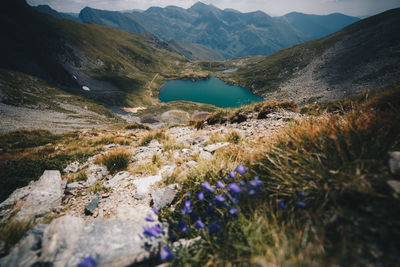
<point x="40" y="45"/>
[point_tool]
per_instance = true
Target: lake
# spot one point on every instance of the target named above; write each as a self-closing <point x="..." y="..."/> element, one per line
<point x="212" y="91"/>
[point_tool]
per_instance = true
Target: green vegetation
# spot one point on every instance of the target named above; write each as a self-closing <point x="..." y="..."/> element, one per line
<point x="135" y="125"/>
<point x="11" y="231"/>
<point x="336" y="165"/>
<point x="158" y="135"/>
<point x="115" y="161"/>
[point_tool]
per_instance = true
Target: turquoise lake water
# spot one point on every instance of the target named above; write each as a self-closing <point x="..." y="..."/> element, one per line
<point x="212" y="91"/>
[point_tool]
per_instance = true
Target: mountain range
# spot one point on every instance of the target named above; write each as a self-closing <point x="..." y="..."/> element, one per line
<point x="227" y="32"/>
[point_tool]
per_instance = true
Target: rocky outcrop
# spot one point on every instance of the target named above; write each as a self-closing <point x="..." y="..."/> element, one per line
<point x="67" y="240"/>
<point x="36" y="199"/>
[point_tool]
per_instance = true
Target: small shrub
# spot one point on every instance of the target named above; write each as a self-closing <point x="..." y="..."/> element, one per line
<point x="115" y="161"/>
<point x="234" y="137"/>
<point x="136" y="125"/>
<point x="98" y="187"/>
<point x="158" y="135"/>
<point x="11" y="231"/>
<point x="81" y="176"/>
<point x="197" y="124"/>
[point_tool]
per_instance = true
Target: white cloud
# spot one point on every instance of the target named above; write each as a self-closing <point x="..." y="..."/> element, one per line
<point x="275" y="7"/>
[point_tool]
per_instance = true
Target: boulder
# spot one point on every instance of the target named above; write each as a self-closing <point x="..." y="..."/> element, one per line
<point x="164" y="196"/>
<point x="74" y="185"/>
<point x="206" y="155"/>
<point x="395" y="185"/>
<point x="36" y="199"/>
<point x="67" y="240"/>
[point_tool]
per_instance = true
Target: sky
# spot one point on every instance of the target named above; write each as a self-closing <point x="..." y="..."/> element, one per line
<point x="271" y="7"/>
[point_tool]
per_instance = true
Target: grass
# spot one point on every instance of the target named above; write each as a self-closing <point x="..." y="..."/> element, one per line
<point x="115" y="161"/>
<point x="98" y="188"/>
<point x="136" y="125"/>
<point x="340" y="162"/>
<point x="148" y="167"/>
<point x="158" y="135"/>
<point x="11" y="231"/>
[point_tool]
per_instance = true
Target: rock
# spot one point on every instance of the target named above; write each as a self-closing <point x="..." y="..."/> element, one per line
<point x="118" y="177"/>
<point x="199" y="140"/>
<point x="74" y="185"/>
<point x="163" y="197"/>
<point x="394" y="162"/>
<point x="139" y="196"/>
<point x="143" y="185"/>
<point x="109" y="146"/>
<point x="37" y="199"/>
<point x="93" y="204"/>
<point x="68" y="239"/>
<point x="192" y="163"/>
<point x="238" y="118"/>
<point x="206" y="155"/>
<point x="73" y="167"/>
<point x="212" y="148"/>
<point x="395" y="185"/>
<point x="154" y="144"/>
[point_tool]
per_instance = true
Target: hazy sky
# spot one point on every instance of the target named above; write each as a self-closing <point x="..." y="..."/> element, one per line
<point x="272" y="7"/>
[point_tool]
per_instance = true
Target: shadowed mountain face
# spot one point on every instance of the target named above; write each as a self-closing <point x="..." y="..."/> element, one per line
<point x="47" y="9"/>
<point x="362" y="56"/>
<point x="229" y="32"/>
<point x="115" y="65"/>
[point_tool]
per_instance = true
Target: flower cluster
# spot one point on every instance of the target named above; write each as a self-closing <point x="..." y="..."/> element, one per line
<point x="215" y="203"/>
<point x="88" y="262"/>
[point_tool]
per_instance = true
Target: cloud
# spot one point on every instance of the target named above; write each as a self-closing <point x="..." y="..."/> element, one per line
<point x="275" y="7"/>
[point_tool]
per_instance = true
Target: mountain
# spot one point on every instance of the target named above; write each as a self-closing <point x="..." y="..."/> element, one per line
<point x="363" y="55"/>
<point x="317" y="26"/>
<point x="47" y="9"/>
<point x="115" y="65"/>
<point x="229" y="32"/>
<point x="194" y="51"/>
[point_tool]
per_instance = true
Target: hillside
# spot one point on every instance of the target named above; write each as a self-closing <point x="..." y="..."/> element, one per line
<point x="229" y="32"/>
<point x="194" y="51"/>
<point x="361" y="56"/>
<point x="104" y="65"/>
<point x="47" y="9"/>
<point x="317" y="26"/>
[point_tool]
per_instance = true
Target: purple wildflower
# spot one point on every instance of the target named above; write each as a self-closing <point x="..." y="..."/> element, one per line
<point x="155" y="210"/>
<point x="173" y="237"/>
<point x="225" y="178"/>
<point x="256" y="182"/>
<point x="200" y="196"/>
<point x="182" y="227"/>
<point x="206" y="186"/>
<point x="219" y="199"/>
<point x="234" y="188"/>
<point x="301" y="204"/>
<point x="302" y="195"/>
<point x="233" y="211"/>
<point x="149" y="218"/>
<point x="220" y="184"/>
<point x="235" y="200"/>
<point x="199" y="224"/>
<point x="214" y="228"/>
<point x="87" y="262"/>
<point x="281" y="204"/>
<point x="166" y="254"/>
<point x="240" y="169"/>
<point x="187" y="209"/>
<point x="242" y="183"/>
<point x="232" y="174"/>
<point x="188" y="194"/>
<point x="152" y="231"/>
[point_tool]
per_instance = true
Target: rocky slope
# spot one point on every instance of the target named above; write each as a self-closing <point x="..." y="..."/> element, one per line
<point x="362" y="56"/>
<point x="104" y="216"/>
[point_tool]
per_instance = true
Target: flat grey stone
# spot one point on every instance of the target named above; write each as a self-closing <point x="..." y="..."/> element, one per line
<point x="68" y="239"/>
<point x="73" y="167"/>
<point x="212" y="148"/>
<point x="92" y="205"/>
<point x="73" y="185"/>
<point x="394" y="162"/>
<point x="118" y="177"/>
<point x="163" y="197"/>
<point x="205" y="155"/>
